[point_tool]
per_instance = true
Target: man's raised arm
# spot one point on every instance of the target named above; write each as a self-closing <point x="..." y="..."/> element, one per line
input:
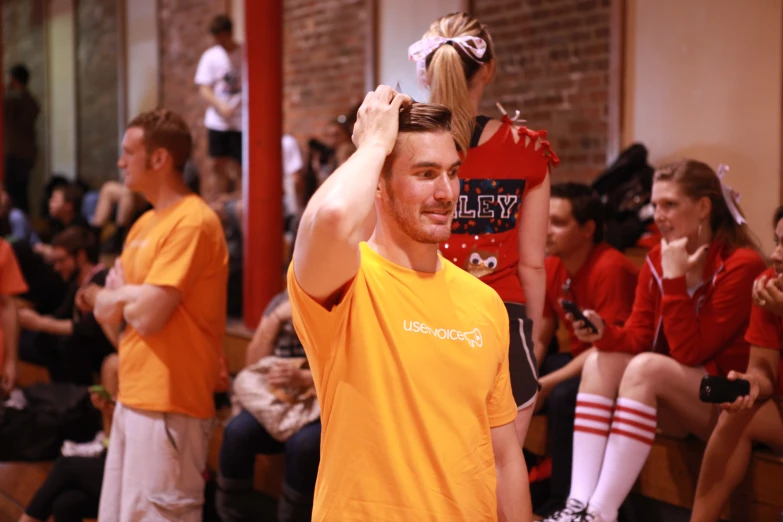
<point x="326" y="253"/>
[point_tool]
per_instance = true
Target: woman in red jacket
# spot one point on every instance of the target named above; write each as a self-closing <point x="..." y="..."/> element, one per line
<point x="757" y="417"/>
<point x="504" y="190"/>
<point x="689" y="318"/>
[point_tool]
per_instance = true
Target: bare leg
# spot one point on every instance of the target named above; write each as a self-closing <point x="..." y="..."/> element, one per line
<point x="602" y="373"/>
<point x="728" y="454"/>
<point x="27" y="518"/>
<point x="650" y="381"/>
<point x="108" y="196"/>
<point x="653" y="379"/>
<point x="601" y="376"/>
<point x="126" y="207"/>
<point x="521" y="423"/>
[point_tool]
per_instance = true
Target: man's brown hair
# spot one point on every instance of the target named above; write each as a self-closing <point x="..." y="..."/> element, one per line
<point x="71" y="194"/>
<point x="165" y="129"/>
<point x="76" y="238"/>
<point x="421" y="117"/>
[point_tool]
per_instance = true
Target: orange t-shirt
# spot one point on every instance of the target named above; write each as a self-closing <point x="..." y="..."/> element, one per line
<point x="176" y="370"/>
<point x="11" y="282"/>
<point x="411" y="371"/>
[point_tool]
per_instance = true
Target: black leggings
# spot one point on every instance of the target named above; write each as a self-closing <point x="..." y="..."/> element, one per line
<point x="71" y="492"/>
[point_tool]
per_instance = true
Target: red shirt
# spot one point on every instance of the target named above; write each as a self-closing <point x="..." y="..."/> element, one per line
<point x="706" y="329"/>
<point x="766" y="331"/>
<point x="605" y="283"/>
<point x="11" y="282"/>
<point x="494" y="179"/>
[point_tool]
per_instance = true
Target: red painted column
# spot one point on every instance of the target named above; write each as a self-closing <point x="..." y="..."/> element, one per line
<point x="2" y="95"/>
<point x="262" y="179"/>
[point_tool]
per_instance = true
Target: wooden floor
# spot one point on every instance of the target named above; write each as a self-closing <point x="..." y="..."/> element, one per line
<point x="18" y="483"/>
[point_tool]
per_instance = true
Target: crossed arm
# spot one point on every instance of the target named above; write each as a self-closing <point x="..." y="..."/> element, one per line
<point x="146" y="308"/>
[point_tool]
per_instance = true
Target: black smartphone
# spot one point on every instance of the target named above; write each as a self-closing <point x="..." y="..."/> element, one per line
<point x="717" y="390"/>
<point x="571" y="308"/>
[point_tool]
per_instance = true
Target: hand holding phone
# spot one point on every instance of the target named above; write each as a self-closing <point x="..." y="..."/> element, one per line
<point x="715" y="389"/>
<point x="571" y="308"/>
<point x="101" y="392"/>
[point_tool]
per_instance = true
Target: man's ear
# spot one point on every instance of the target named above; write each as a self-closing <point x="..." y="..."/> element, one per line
<point x="589" y="229"/>
<point x="159" y="158"/>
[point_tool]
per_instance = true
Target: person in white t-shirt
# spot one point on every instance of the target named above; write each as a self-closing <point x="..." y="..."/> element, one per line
<point x="219" y="77"/>
<point x="292" y="169"/>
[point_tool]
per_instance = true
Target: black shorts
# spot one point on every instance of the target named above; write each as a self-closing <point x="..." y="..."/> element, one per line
<point x="521" y="357"/>
<point x="225" y="144"/>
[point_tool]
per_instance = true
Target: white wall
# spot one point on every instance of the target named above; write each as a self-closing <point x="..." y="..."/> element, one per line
<point x="703" y="80"/>
<point x="61" y="88"/>
<point x="400" y="23"/>
<point x="237" y="14"/>
<point x="142" y="56"/>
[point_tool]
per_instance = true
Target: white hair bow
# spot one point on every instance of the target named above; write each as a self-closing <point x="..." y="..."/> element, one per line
<point x="731" y="196"/>
<point x="418" y="52"/>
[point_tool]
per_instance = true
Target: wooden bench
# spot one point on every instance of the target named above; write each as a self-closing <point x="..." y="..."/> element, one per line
<point x="671" y="473"/>
<point x="269" y="469"/>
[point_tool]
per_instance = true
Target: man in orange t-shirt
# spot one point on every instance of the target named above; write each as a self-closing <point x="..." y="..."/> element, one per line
<point x="11" y="283"/>
<point x="169" y="287"/>
<point x="408" y="352"/>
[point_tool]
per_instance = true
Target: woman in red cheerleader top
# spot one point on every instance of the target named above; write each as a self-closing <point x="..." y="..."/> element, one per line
<point x="504" y="192"/>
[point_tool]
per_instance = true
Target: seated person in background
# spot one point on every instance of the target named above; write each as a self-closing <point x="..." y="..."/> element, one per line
<point x="688" y="320"/>
<point x="20" y="225"/>
<point x="46" y="289"/>
<point x="70" y="342"/>
<point x="325" y="155"/>
<point x="65" y="206"/>
<point x="11" y="284"/>
<point x="756" y="417"/>
<point x="583" y="269"/>
<point x="129" y="207"/>
<point x="72" y="489"/>
<point x="245" y="437"/>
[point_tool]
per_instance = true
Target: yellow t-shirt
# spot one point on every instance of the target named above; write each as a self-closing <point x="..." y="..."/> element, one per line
<point x="176" y="370"/>
<point x="411" y="371"/>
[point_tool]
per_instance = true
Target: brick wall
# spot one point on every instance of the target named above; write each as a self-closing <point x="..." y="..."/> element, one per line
<point x="323" y="62"/>
<point x="184" y="36"/>
<point x="553" y="65"/>
<point x="23" y="42"/>
<point x="97" y="52"/>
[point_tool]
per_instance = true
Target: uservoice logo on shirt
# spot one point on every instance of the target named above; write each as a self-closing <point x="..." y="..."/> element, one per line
<point x="473" y="338"/>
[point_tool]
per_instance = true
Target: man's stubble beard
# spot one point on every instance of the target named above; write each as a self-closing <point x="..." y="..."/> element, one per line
<point x="410" y="223"/>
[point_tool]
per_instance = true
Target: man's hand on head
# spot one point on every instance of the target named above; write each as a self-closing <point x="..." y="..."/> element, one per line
<point x="378" y="119"/>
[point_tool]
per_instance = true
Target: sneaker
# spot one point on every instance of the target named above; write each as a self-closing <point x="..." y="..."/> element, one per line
<point x="572" y="512"/>
<point x="587" y="516"/>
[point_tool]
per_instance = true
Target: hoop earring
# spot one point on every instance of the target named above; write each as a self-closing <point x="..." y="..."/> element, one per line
<point x="699" y="231"/>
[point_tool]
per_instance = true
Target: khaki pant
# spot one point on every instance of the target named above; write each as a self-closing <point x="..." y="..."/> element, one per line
<point x="154" y="467"/>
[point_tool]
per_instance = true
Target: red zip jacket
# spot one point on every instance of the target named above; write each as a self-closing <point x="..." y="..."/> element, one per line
<point x="707" y="329"/>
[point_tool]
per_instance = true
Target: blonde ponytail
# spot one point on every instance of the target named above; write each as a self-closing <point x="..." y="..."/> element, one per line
<point x="449" y="70"/>
<point x="449" y="87"/>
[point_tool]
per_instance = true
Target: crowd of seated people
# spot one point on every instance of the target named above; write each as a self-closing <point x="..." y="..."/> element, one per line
<point x="633" y="371"/>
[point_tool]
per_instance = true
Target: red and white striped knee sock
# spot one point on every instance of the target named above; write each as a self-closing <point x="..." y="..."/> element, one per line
<point x="591" y="429"/>
<point x="632" y="435"/>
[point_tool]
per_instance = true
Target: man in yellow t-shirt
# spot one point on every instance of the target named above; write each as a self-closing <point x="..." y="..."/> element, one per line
<point x="408" y="352"/>
<point x="169" y="287"/>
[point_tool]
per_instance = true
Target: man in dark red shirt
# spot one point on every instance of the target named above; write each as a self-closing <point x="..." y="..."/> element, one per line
<point x="582" y="269"/>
